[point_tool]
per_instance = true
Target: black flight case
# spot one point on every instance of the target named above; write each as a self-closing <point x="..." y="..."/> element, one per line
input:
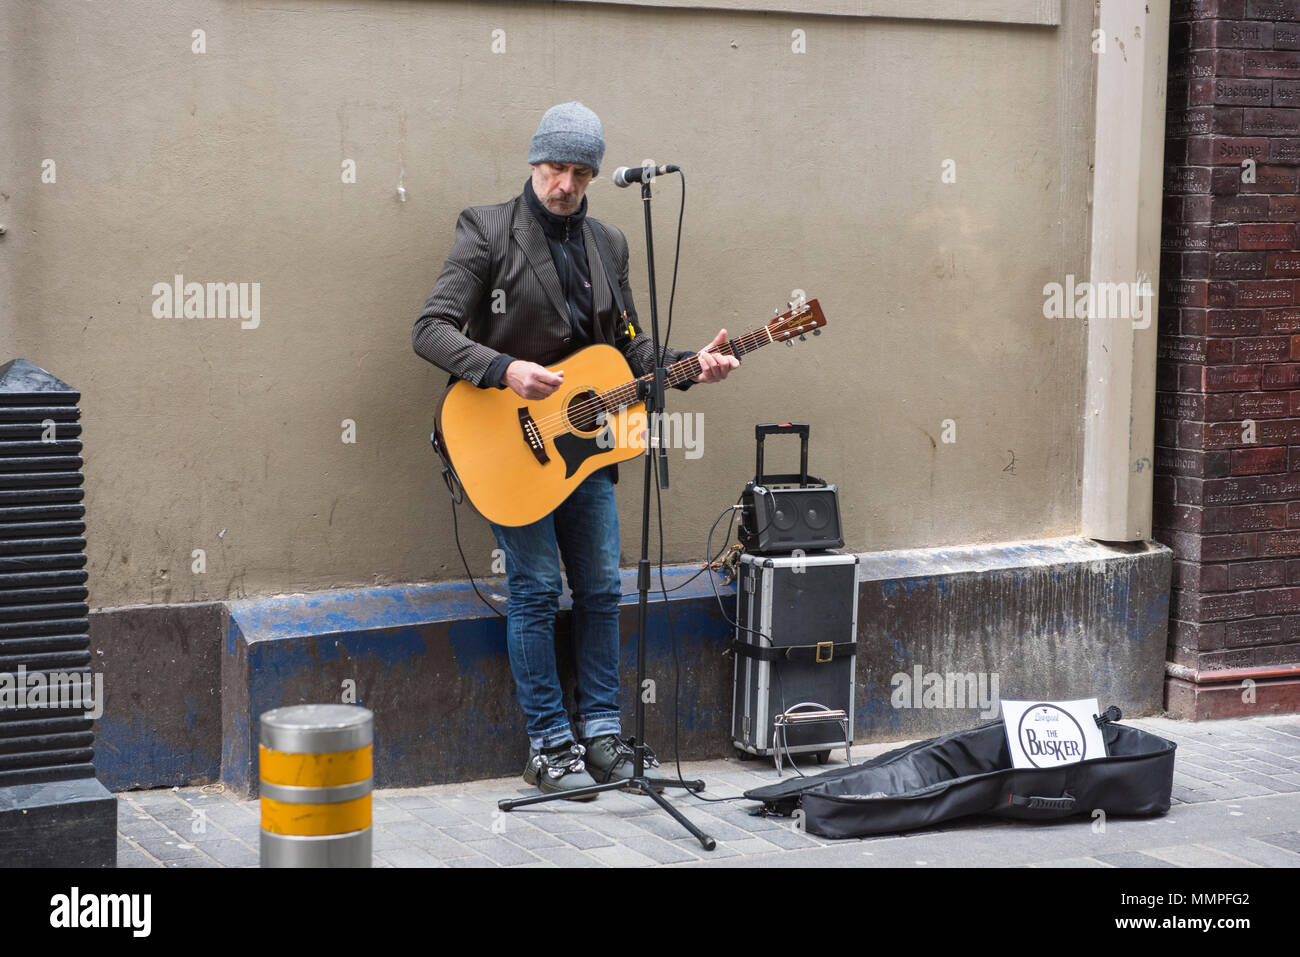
<point x="795" y="645"/>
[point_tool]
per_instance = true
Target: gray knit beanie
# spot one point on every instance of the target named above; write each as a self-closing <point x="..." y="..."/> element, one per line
<point x="569" y="133"/>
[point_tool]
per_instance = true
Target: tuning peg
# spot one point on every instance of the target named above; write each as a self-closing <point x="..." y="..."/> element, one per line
<point x="817" y="332"/>
<point x="789" y="342"/>
<point x="803" y="338"/>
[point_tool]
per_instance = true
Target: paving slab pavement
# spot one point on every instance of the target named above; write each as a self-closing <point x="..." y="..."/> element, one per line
<point x="1236" y="804"/>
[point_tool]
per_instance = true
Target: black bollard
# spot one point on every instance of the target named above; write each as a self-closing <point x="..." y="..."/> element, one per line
<point x="53" y="812"/>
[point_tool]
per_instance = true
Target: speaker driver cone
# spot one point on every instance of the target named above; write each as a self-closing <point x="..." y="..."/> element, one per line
<point x="817" y="513"/>
<point x="783" y="518"/>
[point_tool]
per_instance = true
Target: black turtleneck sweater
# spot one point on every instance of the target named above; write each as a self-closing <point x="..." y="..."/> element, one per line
<point x="569" y="253"/>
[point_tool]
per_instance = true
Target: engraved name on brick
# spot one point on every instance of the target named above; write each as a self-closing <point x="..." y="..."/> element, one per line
<point x="1253" y="632"/>
<point x="1286" y="93"/>
<point x="1266" y="236"/>
<point x="1188" y="122"/>
<point x="1223" y="323"/>
<point x="1181" y="348"/>
<point x="1237" y="265"/>
<point x="1220" y="547"/>
<point x="1285" y="10"/>
<point x="1275" y="601"/>
<point x="1281" y="320"/>
<point x="1263" y="350"/>
<point x="1258" y="518"/>
<point x="1274" y="544"/>
<point x="1257" y="575"/>
<point x="1284" y="264"/>
<point x="1220" y="607"/>
<point x="1186" y="237"/>
<point x="1249" y="405"/>
<point x="1266" y="292"/>
<point x="1231" y="92"/>
<point x="1270" y="121"/>
<point x="1283" y="64"/>
<point x="1235" y="149"/>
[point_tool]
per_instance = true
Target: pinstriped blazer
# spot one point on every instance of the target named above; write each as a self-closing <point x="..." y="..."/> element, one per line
<point x="499" y="292"/>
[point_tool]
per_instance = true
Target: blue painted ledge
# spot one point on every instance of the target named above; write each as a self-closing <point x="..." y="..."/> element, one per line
<point x="1051" y="618"/>
<point x="431" y="662"/>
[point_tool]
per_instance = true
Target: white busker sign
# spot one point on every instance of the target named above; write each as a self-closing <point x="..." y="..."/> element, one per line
<point x="1047" y="734"/>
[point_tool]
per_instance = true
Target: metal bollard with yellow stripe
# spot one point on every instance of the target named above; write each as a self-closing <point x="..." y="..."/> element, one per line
<point x="315" y="785"/>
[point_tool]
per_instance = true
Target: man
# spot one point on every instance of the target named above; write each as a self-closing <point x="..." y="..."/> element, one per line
<point x="523" y="287"/>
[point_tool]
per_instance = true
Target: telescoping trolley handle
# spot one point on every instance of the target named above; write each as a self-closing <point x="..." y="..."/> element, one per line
<point x="787" y="428"/>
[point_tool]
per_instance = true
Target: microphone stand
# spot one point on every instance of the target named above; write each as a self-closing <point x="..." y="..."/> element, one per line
<point x="653" y="393"/>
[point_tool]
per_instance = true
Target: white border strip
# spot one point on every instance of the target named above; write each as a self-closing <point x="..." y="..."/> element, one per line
<point x="1045" y="13"/>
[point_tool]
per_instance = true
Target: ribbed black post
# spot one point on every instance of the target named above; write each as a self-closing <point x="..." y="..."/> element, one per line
<point x="53" y="813"/>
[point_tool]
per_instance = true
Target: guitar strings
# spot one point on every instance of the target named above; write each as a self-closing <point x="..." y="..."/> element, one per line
<point x="594" y="406"/>
<point x="554" y="425"/>
<point x="548" y="424"/>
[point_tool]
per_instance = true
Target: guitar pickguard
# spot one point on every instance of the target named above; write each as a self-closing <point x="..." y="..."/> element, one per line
<point x="576" y="449"/>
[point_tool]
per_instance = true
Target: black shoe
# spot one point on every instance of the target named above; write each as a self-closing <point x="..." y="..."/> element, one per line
<point x="554" y="773"/>
<point x="610" y="758"/>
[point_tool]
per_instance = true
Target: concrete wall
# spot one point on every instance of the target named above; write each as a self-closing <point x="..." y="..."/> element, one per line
<point x="226" y="166"/>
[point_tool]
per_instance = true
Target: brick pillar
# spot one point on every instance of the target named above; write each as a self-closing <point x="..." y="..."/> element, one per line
<point x="1227" y="474"/>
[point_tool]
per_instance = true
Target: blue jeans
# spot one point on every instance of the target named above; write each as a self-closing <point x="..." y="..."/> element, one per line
<point x="583" y="531"/>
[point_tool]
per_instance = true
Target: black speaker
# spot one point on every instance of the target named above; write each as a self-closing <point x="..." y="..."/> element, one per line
<point x="777" y="517"/>
<point x="776" y="521"/>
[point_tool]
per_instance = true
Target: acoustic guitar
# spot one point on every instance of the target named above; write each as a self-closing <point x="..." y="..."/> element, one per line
<point x="517" y="459"/>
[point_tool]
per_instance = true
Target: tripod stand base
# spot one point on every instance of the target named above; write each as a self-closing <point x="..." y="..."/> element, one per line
<point x="640" y="785"/>
<point x="693" y="786"/>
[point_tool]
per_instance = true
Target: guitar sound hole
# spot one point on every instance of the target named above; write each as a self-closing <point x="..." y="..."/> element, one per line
<point x="584" y="412"/>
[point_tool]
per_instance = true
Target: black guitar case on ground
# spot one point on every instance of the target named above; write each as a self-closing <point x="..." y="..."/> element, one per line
<point x="970" y="772"/>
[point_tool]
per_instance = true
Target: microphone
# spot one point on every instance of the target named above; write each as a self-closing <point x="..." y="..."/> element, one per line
<point x="623" y="176"/>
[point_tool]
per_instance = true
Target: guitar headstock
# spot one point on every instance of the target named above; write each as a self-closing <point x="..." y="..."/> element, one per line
<point x="803" y="316"/>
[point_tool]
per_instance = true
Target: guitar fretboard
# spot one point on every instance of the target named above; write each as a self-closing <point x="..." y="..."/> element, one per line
<point x="686" y="369"/>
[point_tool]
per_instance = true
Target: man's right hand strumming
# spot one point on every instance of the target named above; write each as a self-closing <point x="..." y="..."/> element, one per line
<point x="531" y="381"/>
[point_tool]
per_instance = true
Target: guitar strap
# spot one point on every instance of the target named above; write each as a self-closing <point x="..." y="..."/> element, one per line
<point x="626" y="327"/>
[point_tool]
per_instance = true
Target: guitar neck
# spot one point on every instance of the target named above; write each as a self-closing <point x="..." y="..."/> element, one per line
<point x="687" y="369"/>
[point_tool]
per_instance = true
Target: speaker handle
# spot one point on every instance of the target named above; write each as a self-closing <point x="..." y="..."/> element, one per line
<point x="761" y="432"/>
<point x="791" y="478"/>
